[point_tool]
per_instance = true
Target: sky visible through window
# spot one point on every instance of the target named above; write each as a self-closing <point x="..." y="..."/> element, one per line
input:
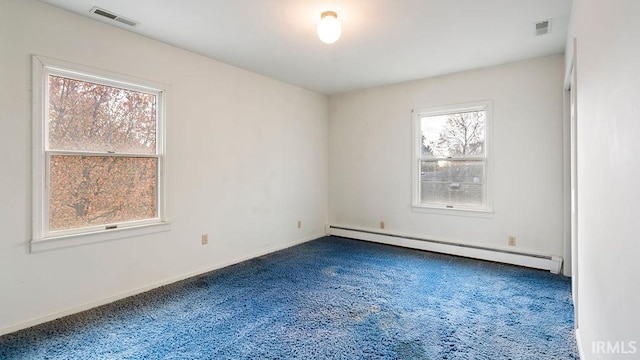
<point x="453" y="135"/>
<point x="432" y="127"/>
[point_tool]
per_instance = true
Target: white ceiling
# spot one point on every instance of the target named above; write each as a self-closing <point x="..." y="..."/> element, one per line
<point x="383" y="41"/>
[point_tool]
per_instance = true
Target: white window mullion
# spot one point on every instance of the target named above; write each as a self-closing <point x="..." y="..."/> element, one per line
<point x="98" y="154"/>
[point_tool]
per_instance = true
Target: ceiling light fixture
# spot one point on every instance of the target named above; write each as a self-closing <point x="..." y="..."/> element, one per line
<point x="329" y="28"/>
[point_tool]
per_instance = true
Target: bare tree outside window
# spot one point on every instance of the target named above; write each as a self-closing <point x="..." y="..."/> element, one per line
<point x="454" y="135"/>
<point x="92" y="117"/>
<point x="101" y="147"/>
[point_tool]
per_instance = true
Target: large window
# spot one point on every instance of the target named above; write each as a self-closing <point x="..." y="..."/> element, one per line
<point x="451" y="157"/>
<point x="98" y="161"/>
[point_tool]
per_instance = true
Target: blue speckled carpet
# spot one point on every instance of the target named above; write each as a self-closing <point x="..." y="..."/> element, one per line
<point x="330" y="298"/>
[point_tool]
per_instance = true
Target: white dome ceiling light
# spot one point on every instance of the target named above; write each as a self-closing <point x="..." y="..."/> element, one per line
<point x="329" y="29"/>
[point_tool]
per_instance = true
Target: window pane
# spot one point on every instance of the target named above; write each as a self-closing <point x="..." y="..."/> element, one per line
<point x="98" y="190"/>
<point x="93" y="117"/>
<point x="453" y="182"/>
<point x="453" y="135"/>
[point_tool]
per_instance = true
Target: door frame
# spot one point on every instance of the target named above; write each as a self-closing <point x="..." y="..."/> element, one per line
<point x="571" y="184"/>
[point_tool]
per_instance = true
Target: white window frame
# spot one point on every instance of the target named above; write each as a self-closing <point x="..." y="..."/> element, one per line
<point x="417" y="114"/>
<point x="42" y="237"/>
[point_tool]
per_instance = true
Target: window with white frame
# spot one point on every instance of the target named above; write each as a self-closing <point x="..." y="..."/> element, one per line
<point x="98" y="151"/>
<point x="450" y="168"/>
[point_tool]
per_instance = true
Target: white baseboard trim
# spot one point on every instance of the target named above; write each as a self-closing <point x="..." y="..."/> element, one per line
<point x="90" y="305"/>
<point x="537" y="261"/>
<point x="579" y="344"/>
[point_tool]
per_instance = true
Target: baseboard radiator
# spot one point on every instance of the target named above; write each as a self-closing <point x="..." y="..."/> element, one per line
<point x="545" y="262"/>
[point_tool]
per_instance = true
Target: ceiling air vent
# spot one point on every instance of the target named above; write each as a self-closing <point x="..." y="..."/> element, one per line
<point x="109" y="15"/>
<point x="543" y="27"/>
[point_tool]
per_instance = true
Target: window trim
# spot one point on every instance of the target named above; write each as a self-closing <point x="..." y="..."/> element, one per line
<point x="42" y="237"/>
<point x="416" y="158"/>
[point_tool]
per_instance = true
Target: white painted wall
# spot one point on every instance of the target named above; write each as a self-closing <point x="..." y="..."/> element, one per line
<point x="608" y="93"/>
<point x="370" y="156"/>
<point x="247" y="159"/>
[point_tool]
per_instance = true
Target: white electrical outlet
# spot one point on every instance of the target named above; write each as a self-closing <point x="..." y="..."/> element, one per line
<point x="299" y="224"/>
<point x="205" y="239"/>
<point x="512" y="241"/>
<point x="381" y="224"/>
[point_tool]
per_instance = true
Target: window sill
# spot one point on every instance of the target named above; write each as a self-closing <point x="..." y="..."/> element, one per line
<point x="453" y="212"/>
<point x="59" y="242"/>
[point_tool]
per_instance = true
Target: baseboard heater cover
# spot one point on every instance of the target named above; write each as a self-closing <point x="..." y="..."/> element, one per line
<point x="544" y="262"/>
